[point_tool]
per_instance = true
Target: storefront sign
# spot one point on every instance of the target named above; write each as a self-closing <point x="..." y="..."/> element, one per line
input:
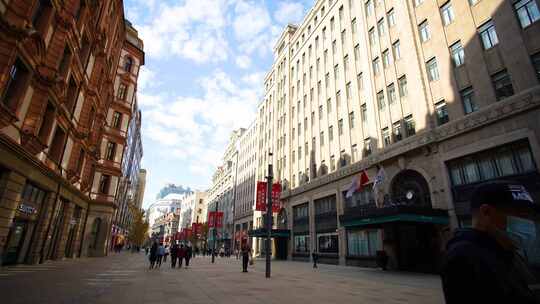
<point x="27" y="209"/>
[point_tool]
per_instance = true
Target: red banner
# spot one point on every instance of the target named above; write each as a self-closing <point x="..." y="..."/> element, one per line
<point x="260" y="204"/>
<point x="196" y="228"/>
<point x="276" y="194"/>
<point x="215" y="218"/>
<point x="178" y="236"/>
<point x="188" y="233"/>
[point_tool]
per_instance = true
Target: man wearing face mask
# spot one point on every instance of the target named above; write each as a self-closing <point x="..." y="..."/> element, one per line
<point x="488" y="262"/>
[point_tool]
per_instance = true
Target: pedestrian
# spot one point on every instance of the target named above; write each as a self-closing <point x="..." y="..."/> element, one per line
<point x="484" y="264"/>
<point x="153" y="254"/>
<point x="315" y="257"/>
<point x="181" y="255"/>
<point x="166" y="254"/>
<point x="146" y="249"/>
<point x="174" y="255"/>
<point x="189" y="254"/>
<point x="160" y="254"/>
<point x="246" y="251"/>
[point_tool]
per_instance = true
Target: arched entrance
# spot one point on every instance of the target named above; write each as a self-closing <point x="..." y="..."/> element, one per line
<point x="411" y="188"/>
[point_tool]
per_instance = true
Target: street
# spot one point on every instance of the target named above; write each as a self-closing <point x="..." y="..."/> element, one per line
<point x="125" y="278"/>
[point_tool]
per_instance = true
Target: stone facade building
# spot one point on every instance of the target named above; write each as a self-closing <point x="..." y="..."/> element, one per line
<point x="58" y="77"/>
<point x="434" y="97"/>
<point x="244" y="201"/>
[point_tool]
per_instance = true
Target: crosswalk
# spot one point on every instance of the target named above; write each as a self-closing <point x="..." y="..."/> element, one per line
<point x="117" y="276"/>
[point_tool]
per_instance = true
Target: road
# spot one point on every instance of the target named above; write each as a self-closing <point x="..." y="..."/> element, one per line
<point x="125" y="278"/>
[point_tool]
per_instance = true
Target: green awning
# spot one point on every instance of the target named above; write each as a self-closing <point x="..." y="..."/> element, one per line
<point x="416" y="218"/>
<point x="274" y="233"/>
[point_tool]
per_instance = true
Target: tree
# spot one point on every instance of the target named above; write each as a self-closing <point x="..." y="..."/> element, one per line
<point x="139" y="228"/>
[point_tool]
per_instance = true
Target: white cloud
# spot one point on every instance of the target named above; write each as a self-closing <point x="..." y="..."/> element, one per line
<point x="289" y="12"/>
<point x="243" y="61"/>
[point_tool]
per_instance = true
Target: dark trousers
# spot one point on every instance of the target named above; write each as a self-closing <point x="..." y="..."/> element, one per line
<point x="165" y="258"/>
<point x="159" y="259"/>
<point x="187" y="261"/>
<point x="180" y="261"/>
<point x="173" y="261"/>
<point x="245" y="260"/>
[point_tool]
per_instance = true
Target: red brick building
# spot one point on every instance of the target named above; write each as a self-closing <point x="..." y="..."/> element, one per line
<point x="58" y="81"/>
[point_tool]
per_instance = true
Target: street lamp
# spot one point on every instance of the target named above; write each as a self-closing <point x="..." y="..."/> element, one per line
<point x="269" y="179"/>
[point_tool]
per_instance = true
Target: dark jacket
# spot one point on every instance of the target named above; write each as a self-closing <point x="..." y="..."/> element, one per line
<point x="181" y="252"/>
<point x="174" y="251"/>
<point x="153" y="252"/>
<point x="477" y="269"/>
<point x="189" y="252"/>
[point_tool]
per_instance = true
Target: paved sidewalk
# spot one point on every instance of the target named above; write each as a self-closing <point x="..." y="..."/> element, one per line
<point x="125" y="278"/>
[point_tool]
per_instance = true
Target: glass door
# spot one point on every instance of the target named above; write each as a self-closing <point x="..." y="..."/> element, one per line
<point x="15" y="242"/>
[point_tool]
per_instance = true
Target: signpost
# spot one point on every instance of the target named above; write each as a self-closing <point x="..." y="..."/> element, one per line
<point x="269" y="179"/>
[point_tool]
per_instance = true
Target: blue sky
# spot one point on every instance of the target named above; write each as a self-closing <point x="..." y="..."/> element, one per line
<point x="203" y="77"/>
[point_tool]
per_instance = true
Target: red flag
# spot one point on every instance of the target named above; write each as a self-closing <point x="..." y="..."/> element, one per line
<point x="276" y="193"/>
<point x="219" y="219"/>
<point x="260" y="204"/>
<point x="211" y="219"/>
<point x="364" y="179"/>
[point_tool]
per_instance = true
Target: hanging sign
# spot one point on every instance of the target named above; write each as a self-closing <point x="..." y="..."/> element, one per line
<point x="261" y="197"/>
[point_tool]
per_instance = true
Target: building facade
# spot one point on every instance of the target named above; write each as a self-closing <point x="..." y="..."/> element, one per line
<point x="132" y="56"/>
<point x="432" y="97"/>
<point x="244" y="193"/>
<point x="193" y="209"/>
<point x="59" y="64"/>
<point x="222" y="193"/>
<point x="139" y="191"/>
<point x="171" y="203"/>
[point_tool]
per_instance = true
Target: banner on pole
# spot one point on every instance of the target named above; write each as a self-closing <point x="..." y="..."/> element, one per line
<point x="276" y="194"/>
<point x="261" y="197"/>
<point x="211" y="219"/>
<point x="219" y="219"/>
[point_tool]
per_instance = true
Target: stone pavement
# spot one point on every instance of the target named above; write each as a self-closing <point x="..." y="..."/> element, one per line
<point x="125" y="278"/>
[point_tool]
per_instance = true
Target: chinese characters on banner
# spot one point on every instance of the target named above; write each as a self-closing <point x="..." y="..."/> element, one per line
<point x="215" y="218"/>
<point x="196" y="228"/>
<point x="261" y="197"/>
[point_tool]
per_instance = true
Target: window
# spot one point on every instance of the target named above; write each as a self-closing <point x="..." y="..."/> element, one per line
<point x="418" y="2"/>
<point x="527" y="12"/>
<point x="299" y="152"/>
<point x="371" y="36"/>
<point x="363" y="114"/>
<point x="357" y="53"/>
<point x="338" y="100"/>
<point x="403" y="86"/>
<point x="386" y="59"/>
<point x="117" y="120"/>
<point x="343" y="38"/>
<point x="396" y="50"/>
<point x="332" y="163"/>
<point x="409" y="126"/>
<point x="80" y="162"/>
<point x="380" y="27"/>
<point x="457" y="53"/>
<point x="331" y="133"/>
<point x="353" y="27"/>
<point x="432" y="70"/>
<point x="85" y="51"/>
<point x="122" y="91"/>
<point x="328" y="243"/>
<point x="369" y="8"/>
<point x="128" y="64"/>
<point x="360" y="81"/>
<point x="467" y="97"/>
<point x="351" y="120"/>
<point x="111" y="150"/>
<point x="320" y="112"/>
<point x="364" y="242"/>
<point x="396" y="131"/>
<point x="340" y="127"/>
<point x="329" y="105"/>
<point x="72" y="95"/>
<point x="104" y="183"/>
<point x="41" y="15"/>
<point x="536" y="64"/>
<point x="423" y="29"/>
<point x="447" y="13"/>
<point x="488" y="35"/>
<point x="16" y="84"/>
<point x="63" y="66"/>
<point x="380" y="101"/>
<point x="322" y="139"/>
<point x="376" y="68"/>
<point x="47" y="122"/>
<point x="348" y="91"/>
<point x="473" y="2"/>
<point x="391" y="90"/>
<point x="57" y="145"/>
<point x="346" y="65"/>
<point x="391" y="16"/>
<point x="502" y="84"/>
<point x="301" y="243"/>
<point x="442" y="113"/>
<point x="386" y="137"/>
<point x="336" y="72"/>
<point x="367" y="146"/>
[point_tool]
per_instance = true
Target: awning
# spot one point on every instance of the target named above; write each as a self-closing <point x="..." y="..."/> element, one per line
<point x="274" y="233"/>
<point x="415" y="218"/>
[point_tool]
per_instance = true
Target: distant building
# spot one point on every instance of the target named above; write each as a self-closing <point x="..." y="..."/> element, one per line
<point x="170" y="203"/>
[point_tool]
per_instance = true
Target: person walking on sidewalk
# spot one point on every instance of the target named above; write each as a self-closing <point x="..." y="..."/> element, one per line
<point x="315" y="257"/>
<point x="246" y="251"/>
<point x="153" y="255"/>
<point x="174" y="255"/>
<point x="166" y="254"/>
<point x="189" y="254"/>
<point x="486" y="263"/>
<point x="160" y="254"/>
<point x="181" y="255"/>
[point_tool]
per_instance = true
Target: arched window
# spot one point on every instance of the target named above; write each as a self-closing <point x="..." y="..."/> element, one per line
<point x="128" y="64"/>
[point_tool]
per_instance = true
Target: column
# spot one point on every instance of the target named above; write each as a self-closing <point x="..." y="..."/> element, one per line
<point x="342" y="235"/>
<point x="312" y="232"/>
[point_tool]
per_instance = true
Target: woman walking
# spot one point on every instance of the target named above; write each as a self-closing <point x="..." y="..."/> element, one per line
<point x="181" y="255"/>
<point x="174" y="255"/>
<point x="160" y="254"/>
<point x="153" y="254"/>
<point x="189" y="253"/>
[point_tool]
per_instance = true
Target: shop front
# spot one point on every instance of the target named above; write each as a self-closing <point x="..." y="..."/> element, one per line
<point x="24" y="225"/>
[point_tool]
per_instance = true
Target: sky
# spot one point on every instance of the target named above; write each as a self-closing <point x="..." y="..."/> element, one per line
<point x="205" y="61"/>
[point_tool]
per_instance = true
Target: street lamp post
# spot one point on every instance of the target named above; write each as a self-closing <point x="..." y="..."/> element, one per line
<point x="269" y="215"/>
<point x="215" y="233"/>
